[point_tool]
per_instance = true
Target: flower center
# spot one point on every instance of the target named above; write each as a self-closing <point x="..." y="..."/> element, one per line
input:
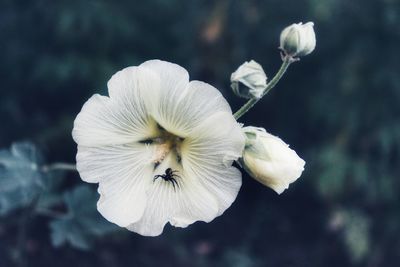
<point x="167" y="144"/>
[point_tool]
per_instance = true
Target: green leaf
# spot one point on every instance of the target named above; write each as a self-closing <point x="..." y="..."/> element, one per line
<point x="82" y="222"/>
<point x="21" y="179"/>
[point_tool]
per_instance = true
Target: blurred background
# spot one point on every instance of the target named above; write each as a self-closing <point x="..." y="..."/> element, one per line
<point x="339" y="108"/>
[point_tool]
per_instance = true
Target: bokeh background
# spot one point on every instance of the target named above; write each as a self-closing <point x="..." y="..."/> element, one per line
<point x="339" y="108"/>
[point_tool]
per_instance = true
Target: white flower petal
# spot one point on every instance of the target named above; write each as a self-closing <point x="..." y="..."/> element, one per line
<point x="181" y="206"/>
<point x="208" y="155"/>
<point x="172" y="76"/>
<point x="134" y="89"/>
<point x="222" y="182"/>
<point x="182" y="105"/>
<point x="199" y="103"/>
<point x="103" y="121"/>
<point x="219" y="138"/>
<point x="121" y="171"/>
<point x="121" y="118"/>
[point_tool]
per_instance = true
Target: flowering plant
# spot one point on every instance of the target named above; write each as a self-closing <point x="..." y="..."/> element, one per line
<point x="161" y="148"/>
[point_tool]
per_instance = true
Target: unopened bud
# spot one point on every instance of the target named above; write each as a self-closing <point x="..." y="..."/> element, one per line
<point x="252" y="75"/>
<point x="298" y="39"/>
<point x="269" y="160"/>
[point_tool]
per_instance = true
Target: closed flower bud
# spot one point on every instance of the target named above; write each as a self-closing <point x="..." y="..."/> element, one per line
<point x="252" y="75"/>
<point x="298" y="39"/>
<point x="270" y="160"/>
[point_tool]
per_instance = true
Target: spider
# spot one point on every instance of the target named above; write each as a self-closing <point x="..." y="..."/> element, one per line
<point x="169" y="176"/>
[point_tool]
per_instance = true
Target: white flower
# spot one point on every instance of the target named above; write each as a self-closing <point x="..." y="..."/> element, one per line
<point x="270" y="160"/>
<point x="298" y="39"/>
<point x="252" y="75"/>
<point x="157" y="124"/>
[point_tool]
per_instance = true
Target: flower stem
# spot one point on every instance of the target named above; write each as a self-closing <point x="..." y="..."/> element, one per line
<point x="59" y="166"/>
<point x="287" y="60"/>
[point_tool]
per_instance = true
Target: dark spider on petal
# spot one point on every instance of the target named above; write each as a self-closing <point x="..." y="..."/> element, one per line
<point x="169" y="176"/>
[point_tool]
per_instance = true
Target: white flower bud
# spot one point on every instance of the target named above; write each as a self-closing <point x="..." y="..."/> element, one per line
<point x="298" y="39"/>
<point x="270" y="160"/>
<point x="252" y="75"/>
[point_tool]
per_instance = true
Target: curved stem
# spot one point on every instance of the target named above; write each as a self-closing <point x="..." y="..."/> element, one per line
<point x="59" y="166"/>
<point x="287" y="60"/>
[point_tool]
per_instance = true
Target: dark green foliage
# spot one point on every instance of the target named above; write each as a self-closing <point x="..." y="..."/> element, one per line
<point x="26" y="184"/>
<point x="21" y="179"/>
<point x="82" y="223"/>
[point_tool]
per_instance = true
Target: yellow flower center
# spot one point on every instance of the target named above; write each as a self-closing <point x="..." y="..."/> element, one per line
<point x="167" y="143"/>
